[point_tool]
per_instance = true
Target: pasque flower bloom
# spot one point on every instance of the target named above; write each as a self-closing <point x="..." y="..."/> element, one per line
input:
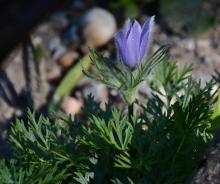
<point x="132" y="42"/>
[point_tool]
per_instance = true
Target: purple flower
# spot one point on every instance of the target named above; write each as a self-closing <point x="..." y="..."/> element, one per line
<point x="132" y="42"/>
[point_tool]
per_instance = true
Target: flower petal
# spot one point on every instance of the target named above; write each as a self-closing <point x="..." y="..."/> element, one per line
<point x="146" y="33"/>
<point x="120" y="42"/>
<point x="127" y="27"/>
<point x="132" y="43"/>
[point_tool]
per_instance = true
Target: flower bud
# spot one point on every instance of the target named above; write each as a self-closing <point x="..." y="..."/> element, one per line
<point x="132" y="42"/>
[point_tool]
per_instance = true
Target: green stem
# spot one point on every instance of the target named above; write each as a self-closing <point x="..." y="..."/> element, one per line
<point x="178" y="150"/>
<point x="130" y="111"/>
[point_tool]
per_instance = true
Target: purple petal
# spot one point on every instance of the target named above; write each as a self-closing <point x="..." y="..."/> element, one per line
<point x="148" y="25"/>
<point x="119" y="38"/>
<point x="133" y="42"/>
<point x="136" y="31"/>
<point x="145" y="36"/>
<point x="127" y="27"/>
<point x="120" y="42"/>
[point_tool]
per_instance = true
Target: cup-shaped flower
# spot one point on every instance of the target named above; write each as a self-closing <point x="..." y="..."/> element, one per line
<point x="132" y="42"/>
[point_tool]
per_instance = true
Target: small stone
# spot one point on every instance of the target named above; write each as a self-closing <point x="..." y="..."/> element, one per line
<point x="70" y="35"/>
<point x="37" y="40"/>
<point x="189" y="44"/>
<point x="203" y="43"/>
<point x="56" y="47"/>
<point x="53" y="72"/>
<point x="144" y="127"/>
<point x="144" y="89"/>
<point x="68" y="58"/>
<point x="54" y="42"/>
<point x="99" y="91"/>
<point x="113" y="92"/>
<point x="99" y="26"/>
<point x="71" y="105"/>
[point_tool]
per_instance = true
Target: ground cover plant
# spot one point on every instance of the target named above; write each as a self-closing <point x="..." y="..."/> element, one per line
<point x="160" y="144"/>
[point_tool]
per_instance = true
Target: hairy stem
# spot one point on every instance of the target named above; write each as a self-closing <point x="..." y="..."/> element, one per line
<point x="130" y="111"/>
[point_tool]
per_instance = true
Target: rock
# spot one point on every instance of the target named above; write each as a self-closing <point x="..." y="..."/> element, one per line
<point x="71" y="35"/>
<point x="53" y="71"/>
<point x="113" y="92"/>
<point x="98" y="90"/>
<point x="144" y="90"/>
<point x="99" y="26"/>
<point x="37" y="40"/>
<point x="208" y="170"/>
<point x="56" y="47"/>
<point x="6" y="113"/>
<point x="68" y="58"/>
<point x="71" y="105"/>
<point x="15" y="69"/>
<point x="203" y="43"/>
<point x="189" y="44"/>
<point x="204" y="47"/>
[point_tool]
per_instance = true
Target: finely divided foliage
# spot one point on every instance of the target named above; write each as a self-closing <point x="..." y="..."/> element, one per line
<point x="162" y="144"/>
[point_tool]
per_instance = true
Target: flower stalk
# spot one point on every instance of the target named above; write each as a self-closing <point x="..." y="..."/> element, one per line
<point x="130" y="111"/>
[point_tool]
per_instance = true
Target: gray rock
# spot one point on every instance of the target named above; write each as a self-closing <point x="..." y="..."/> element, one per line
<point x="99" y="26"/>
<point x="56" y="47"/>
<point x="98" y="90"/>
<point x="208" y="171"/>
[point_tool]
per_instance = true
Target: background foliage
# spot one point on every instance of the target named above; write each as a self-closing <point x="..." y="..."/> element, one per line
<point x="191" y="17"/>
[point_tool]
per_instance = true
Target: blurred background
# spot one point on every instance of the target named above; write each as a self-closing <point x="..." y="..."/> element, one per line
<point x="43" y="44"/>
